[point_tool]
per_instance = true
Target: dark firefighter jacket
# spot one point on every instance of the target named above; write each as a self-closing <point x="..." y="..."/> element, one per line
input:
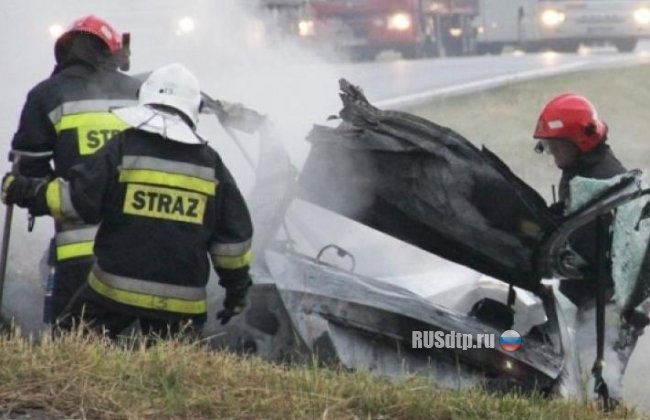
<point x="600" y="163"/>
<point x="65" y="120"/>
<point x="164" y="207"/>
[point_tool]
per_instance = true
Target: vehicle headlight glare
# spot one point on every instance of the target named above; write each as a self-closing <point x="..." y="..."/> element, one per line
<point x="642" y="16"/>
<point x="552" y="17"/>
<point x="400" y="22"/>
<point x="186" y="25"/>
<point x="306" y="28"/>
<point x="55" y="30"/>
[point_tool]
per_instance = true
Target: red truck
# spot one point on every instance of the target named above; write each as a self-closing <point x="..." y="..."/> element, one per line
<point x="416" y="28"/>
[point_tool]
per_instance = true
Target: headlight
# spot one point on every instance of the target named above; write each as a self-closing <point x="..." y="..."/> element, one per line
<point x="552" y="17"/>
<point x="306" y="28"/>
<point x="400" y="22"/>
<point x="56" y="30"/>
<point x="185" y="25"/>
<point x="455" y="32"/>
<point x="642" y="16"/>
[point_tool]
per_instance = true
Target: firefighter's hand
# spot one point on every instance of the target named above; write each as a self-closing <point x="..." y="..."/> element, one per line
<point x="8" y="186"/>
<point x="231" y="308"/>
<point x="17" y="189"/>
<point x="21" y="190"/>
<point x="234" y="303"/>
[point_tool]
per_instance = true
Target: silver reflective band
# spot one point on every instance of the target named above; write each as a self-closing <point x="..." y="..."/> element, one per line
<point x="76" y="233"/>
<point x="88" y="105"/>
<point x="24" y="153"/>
<point x="230" y="250"/>
<point x="150" y="288"/>
<point x="67" y="208"/>
<point x="163" y="165"/>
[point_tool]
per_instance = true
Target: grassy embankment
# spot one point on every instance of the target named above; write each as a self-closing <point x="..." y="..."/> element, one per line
<point x="83" y="378"/>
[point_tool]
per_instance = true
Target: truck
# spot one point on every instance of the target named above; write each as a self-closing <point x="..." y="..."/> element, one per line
<point x="561" y="25"/>
<point x="415" y="28"/>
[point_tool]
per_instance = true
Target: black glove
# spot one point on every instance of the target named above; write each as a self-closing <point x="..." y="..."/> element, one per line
<point x="20" y="190"/>
<point x="557" y="208"/>
<point x="234" y="303"/>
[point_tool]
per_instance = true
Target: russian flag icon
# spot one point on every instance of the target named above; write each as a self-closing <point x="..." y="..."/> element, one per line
<point x="510" y="341"/>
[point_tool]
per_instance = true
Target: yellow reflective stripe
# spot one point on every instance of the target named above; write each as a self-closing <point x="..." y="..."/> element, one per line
<point x="233" y="263"/>
<point x="146" y="176"/>
<point x="53" y="199"/>
<point x="94" y="129"/>
<point x="5" y="186"/>
<point x="140" y="300"/>
<point x="81" y="249"/>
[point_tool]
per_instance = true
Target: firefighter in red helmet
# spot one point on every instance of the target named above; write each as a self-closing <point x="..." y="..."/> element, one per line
<point x="65" y="120"/>
<point x="570" y="130"/>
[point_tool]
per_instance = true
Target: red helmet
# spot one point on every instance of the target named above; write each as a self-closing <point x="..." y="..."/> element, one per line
<point x="96" y="26"/>
<point x="574" y="118"/>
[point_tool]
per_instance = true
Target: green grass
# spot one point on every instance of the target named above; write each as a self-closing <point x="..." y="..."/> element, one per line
<point x="91" y="378"/>
<point x="503" y="119"/>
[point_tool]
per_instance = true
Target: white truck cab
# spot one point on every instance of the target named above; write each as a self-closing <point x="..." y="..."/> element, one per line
<point x="562" y="25"/>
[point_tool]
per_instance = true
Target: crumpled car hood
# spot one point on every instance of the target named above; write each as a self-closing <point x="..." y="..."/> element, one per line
<point x="427" y="185"/>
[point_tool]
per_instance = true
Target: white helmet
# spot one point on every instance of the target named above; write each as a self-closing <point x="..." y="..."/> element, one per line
<point x="175" y="86"/>
<point x="172" y="85"/>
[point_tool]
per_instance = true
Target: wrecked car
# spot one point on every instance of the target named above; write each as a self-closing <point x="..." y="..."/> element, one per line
<point x="470" y="244"/>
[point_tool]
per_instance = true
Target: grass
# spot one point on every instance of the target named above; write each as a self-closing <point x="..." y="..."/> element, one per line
<point x="503" y="119"/>
<point x="87" y="377"/>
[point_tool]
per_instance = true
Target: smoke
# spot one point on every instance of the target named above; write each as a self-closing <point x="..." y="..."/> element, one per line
<point x="226" y="43"/>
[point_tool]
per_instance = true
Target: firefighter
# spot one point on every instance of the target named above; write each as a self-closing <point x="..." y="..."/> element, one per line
<point x="65" y="120"/>
<point x="165" y="201"/>
<point x="569" y="129"/>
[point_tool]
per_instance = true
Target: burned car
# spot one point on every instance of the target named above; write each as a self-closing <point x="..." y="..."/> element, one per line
<point x="469" y="242"/>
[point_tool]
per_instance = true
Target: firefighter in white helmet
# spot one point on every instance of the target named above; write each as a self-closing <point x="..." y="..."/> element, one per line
<point x="166" y="202"/>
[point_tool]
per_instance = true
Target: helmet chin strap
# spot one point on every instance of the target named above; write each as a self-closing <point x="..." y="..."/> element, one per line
<point x="124" y="55"/>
